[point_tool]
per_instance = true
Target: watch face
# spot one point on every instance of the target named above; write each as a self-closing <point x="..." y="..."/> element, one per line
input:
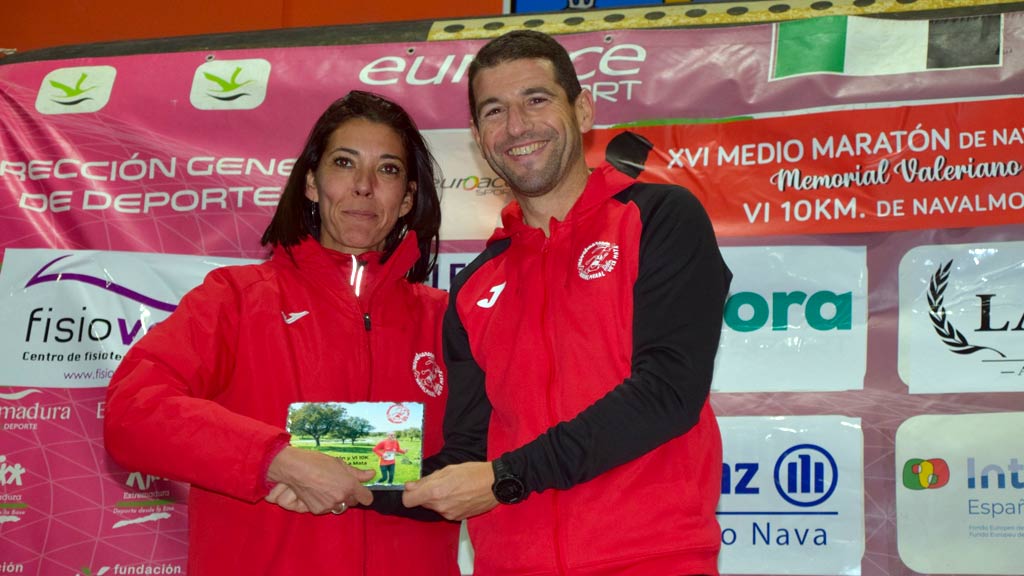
<point x="508" y="490"/>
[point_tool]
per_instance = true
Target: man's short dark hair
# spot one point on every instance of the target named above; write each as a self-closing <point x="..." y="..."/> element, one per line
<point x="525" y="44"/>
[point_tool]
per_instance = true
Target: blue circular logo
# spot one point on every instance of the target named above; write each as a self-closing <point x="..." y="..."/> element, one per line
<point x="806" y="475"/>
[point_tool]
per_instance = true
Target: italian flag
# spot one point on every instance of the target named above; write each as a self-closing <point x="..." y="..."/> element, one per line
<point x="858" y="46"/>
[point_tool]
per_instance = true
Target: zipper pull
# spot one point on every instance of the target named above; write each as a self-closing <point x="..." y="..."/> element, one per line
<point x="366" y="321"/>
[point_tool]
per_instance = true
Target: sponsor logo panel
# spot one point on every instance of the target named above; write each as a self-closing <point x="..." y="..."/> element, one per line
<point x="142" y="500"/>
<point x="13" y="476"/>
<point x="230" y="84"/>
<point x="60" y="492"/>
<point x="962" y="486"/>
<point x="116" y="569"/>
<point x="961" y="321"/>
<point x="76" y="90"/>
<point x="612" y="72"/>
<point x="72" y="315"/>
<point x="792" y="324"/>
<point x="449" y="264"/>
<point x="472" y="195"/>
<point x="792" y="495"/>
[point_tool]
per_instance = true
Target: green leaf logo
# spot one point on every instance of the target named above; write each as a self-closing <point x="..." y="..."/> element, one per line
<point x="227" y="85"/>
<point x="70" y="92"/>
<point x="230" y="84"/>
<point x="76" y="90"/>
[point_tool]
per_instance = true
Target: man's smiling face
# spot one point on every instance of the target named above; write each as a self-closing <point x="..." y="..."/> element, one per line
<point x="527" y="129"/>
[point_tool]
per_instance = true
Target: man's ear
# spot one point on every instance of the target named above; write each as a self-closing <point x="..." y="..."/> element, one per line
<point x="584" y="108"/>
<point x="408" y="200"/>
<point x="311" y="191"/>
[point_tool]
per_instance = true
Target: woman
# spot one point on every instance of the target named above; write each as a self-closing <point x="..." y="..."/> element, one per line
<point x="338" y="314"/>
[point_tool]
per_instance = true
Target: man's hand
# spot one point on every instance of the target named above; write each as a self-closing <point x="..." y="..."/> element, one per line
<point x="455" y="492"/>
<point x="321" y="483"/>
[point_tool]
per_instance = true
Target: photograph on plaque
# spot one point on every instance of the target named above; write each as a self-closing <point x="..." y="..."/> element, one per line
<point x="386" y="437"/>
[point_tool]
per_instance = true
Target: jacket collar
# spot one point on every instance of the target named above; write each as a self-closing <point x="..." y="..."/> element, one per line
<point x="603" y="183"/>
<point x="309" y="256"/>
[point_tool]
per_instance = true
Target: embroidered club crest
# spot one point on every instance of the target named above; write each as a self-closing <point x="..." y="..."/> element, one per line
<point x="598" y="260"/>
<point x="428" y="374"/>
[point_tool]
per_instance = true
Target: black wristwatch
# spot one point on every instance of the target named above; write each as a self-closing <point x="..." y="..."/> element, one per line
<point x="507" y="487"/>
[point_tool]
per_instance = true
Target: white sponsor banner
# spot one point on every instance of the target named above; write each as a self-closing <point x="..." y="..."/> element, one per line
<point x="449" y="264"/>
<point x="70" y="316"/>
<point x="792" y="495"/>
<point x="796" y="320"/>
<point x="472" y="195"/>
<point x="961" y="322"/>
<point x="960" y="493"/>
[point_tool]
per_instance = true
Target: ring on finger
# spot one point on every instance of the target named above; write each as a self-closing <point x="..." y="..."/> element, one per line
<point x="340" y="508"/>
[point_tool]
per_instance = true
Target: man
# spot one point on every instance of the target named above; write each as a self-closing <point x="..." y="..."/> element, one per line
<point x="580" y="346"/>
<point x="386" y="450"/>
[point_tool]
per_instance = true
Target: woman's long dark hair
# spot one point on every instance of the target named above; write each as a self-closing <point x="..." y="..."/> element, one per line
<point x="295" y="218"/>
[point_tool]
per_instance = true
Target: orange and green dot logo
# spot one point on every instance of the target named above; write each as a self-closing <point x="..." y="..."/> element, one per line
<point x="928" y="474"/>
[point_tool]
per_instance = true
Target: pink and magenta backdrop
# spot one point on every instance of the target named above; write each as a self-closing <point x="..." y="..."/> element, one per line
<point x="133" y="176"/>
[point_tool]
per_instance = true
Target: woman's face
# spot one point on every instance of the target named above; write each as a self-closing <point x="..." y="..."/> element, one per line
<point x="362" y="186"/>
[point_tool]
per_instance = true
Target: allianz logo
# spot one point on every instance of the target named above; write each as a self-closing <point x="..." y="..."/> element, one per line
<point x="823" y="311"/>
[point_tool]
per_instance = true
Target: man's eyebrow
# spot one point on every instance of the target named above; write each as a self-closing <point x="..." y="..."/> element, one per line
<point x="538" y="90"/>
<point x="530" y="91"/>
<point x="492" y="100"/>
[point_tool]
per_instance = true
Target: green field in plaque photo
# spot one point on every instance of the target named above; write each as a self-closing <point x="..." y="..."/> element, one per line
<point x="386" y="437"/>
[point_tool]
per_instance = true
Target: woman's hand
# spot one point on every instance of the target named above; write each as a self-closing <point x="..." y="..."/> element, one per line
<point x="285" y="497"/>
<point x="316" y="482"/>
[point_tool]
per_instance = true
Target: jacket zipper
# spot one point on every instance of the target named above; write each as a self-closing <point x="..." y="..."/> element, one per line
<point x="549" y="389"/>
<point x="364" y="307"/>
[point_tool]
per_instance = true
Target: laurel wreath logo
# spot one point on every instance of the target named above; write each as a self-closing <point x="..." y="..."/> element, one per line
<point x="951" y="337"/>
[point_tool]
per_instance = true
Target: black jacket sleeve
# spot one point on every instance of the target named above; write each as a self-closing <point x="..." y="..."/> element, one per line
<point x="679" y="297"/>
<point x="467" y="412"/>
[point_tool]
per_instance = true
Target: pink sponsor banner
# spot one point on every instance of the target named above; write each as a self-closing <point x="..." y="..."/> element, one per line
<point x="186" y="153"/>
<point x="65" y="507"/>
